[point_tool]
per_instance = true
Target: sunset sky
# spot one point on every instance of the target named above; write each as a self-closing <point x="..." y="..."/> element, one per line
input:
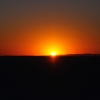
<point x="40" y="27"/>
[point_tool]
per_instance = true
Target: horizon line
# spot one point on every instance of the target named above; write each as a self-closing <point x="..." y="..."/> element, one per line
<point x="51" y="55"/>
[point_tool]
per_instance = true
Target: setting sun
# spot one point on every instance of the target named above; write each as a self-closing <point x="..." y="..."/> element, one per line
<point x="53" y="54"/>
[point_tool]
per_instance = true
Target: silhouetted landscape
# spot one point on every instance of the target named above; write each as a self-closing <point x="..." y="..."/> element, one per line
<point x="73" y="77"/>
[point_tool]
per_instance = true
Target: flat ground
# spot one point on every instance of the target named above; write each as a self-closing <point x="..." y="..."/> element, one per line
<point x="64" y="77"/>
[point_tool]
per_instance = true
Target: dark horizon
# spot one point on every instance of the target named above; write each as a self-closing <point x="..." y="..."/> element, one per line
<point x="66" y="55"/>
<point x="68" y="78"/>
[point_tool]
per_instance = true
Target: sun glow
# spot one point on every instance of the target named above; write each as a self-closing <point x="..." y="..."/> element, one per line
<point x="53" y="54"/>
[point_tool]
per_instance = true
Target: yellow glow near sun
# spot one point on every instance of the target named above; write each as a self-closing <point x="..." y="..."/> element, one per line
<point x="53" y="54"/>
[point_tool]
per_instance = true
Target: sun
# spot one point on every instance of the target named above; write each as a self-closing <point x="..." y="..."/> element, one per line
<point x="53" y="54"/>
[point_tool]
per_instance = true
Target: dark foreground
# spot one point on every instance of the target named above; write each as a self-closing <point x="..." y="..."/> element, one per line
<point x="64" y="78"/>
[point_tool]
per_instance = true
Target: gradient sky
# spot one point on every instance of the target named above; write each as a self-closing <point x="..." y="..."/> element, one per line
<point x="38" y="27"/>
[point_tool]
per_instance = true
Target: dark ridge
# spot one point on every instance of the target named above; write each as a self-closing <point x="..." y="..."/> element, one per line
<point x="44" y="77"/>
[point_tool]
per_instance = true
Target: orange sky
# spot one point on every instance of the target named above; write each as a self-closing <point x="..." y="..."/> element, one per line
<point x="56" y="28"/>
<point x="48" y="38"/>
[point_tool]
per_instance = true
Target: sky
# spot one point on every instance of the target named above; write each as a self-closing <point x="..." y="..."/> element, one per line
<point x="40" y="27"/>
